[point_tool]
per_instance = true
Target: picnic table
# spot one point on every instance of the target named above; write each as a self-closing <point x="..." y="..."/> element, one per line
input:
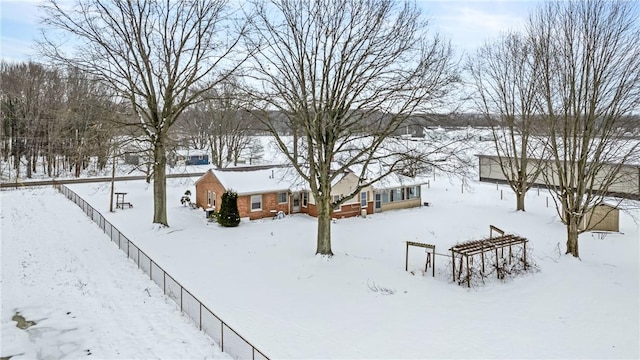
<point x="120" y="203"/>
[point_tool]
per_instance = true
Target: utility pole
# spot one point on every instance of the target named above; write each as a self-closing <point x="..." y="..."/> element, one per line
<point x="113" y="176"/>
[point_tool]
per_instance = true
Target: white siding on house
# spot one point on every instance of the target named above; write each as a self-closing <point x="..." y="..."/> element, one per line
<point x="345" y="186"/>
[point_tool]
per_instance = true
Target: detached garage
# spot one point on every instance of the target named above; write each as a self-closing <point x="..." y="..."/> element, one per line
<point x="602" y="217"/>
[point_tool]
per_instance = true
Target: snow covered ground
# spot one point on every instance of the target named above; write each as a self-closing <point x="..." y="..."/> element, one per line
<point x="264" y="280"/>
<point x="85" y="297"/>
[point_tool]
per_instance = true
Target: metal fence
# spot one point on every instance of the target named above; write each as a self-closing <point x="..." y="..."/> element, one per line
<point x="229" y="340"/>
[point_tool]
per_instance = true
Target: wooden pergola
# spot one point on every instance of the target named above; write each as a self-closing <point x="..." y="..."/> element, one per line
<point x="490" y="245"/>
<point x="430" y="255"/>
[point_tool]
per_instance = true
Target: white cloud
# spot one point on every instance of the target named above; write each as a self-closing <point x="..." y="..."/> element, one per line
<point x="16" y="50"/>
<point x="470" y="23"/>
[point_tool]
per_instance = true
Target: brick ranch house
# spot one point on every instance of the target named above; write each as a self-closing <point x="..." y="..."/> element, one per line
<point x="263" y="191"/>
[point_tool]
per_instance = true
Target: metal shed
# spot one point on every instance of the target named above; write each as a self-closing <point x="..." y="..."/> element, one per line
<point x="601" y="217"/>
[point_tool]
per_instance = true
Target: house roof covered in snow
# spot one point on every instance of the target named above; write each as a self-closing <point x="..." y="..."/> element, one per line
<point x="192" y="152"/>
<point x="395" y="180"/>
<point x="245" y="181"/>
<point x="278" y="178"/>
<point x="391" y="180"/>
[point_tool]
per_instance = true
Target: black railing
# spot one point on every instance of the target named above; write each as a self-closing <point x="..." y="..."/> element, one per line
<point x="229" y="340"/>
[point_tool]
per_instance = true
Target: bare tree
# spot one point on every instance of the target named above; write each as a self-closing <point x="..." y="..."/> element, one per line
<point x="219" y="123"/>
<point x="504" y="78"/>
<point x="343" y="76"/>
<point x="589" y="81"/>
<point x="159" y="55"/>
<point x="54" y="117"/>
<point x="87" y="118"/>
<point x="30" y="100"/>
<point x="192" y="129"/>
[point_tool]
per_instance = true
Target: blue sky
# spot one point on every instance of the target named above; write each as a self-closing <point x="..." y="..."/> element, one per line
<point x="466" y="23"/>
<point x="469" y="23"/>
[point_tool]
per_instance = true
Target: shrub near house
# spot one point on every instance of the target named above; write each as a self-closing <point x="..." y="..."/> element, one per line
<point x="228" y="215"/>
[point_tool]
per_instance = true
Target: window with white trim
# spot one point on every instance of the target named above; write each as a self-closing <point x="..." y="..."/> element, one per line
<point x="363" y="199"/>
<point x="413" y="192"/>
<point x="283" y="197"/>
<point x="211" y="199"/>
<point x="256" y="202"/>
<point x="305" y="199"/>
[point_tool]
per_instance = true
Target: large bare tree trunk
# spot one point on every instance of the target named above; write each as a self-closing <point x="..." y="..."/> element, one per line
<point x="520" y="197"/>
<point x="572" y="235"/>
<point x="324" y="227"/>
<point x="160" y="183"/>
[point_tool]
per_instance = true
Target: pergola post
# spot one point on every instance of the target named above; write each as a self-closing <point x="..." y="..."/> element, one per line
<point x="406" y="258"/>
<point x="468" y="273"/>
<point x="497" y="265"/>
<point x="433" y="264"/>
<point x="482" y="254"/>
<point x="453" y="264"/>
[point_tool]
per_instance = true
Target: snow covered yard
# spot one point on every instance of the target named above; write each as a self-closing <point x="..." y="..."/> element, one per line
<point x="84" y="296"/>
<point x="264" y="280"/>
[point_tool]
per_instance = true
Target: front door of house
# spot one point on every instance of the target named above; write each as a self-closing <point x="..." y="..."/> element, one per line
<point x="296" y="202"/>
<point x="378" y="202"/>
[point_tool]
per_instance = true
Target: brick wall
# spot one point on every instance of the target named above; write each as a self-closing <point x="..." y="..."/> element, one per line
<point x="269" y="203"/>
<point x="208" y="182"/>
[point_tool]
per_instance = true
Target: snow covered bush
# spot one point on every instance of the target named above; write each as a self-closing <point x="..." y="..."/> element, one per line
<point x="228" y="216"/>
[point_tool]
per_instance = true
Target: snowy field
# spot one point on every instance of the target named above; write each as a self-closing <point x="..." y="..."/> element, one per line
<point x="264" y="280"/>
<point x="85" y="298"/>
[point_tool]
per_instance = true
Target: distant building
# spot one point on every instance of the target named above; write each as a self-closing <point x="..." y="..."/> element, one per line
<point x="601" y="217"/>
<point x="626" y="184"/>
<point x="191" y="157"/>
